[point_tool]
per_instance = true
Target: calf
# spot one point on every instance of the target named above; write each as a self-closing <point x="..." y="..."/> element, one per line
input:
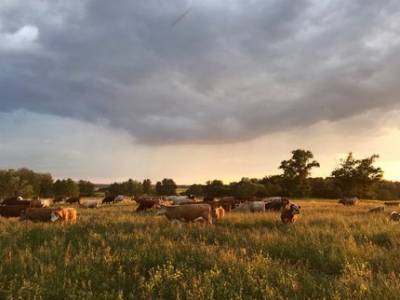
<point x="12" y="211"/>
<point x="67" y="215"/>
<point x="187" y="213"/>
<point x="290" y="213"/>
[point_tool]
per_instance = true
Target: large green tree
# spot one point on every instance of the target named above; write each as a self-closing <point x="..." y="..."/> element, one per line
<point x="166" y="187"/>
<point x="357" y="177"/>
<point x="296" y="170"/>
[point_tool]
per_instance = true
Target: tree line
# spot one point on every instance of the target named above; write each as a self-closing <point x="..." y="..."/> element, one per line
<point x="352" y="177"/>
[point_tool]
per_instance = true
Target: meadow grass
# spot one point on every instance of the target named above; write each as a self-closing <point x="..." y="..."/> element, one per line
<point x="333" y="252"/>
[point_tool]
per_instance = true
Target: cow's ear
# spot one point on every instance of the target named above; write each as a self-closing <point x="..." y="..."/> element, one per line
<point x="299" y="206"/>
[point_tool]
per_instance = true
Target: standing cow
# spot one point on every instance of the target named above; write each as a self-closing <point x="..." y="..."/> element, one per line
<point x="348" y="201"/>
<point x="187" y="213"/>
<point x="290" y="213"/>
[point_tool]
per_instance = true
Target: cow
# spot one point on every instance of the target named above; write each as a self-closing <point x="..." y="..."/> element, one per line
<point x="89" y="204"/>
<point x="346" y="201"/>
<point x="146" y="203"/>
<point x="72" y="200"/>
<point x="290" y="213"/>
<point x="40" y="203"/>
<point x="377" y="209"/>
<point x="392" y="203"/>
<point x="187" y="213"/>
<point x="276" y="203"/>
<point x="395" y="216"/>
<point x="218" y="213"/>
<point x="12" y="211"/>
<point x="108" y="200"/>
<point x="66" y="215"/>
<point x="15" y="201"/>
<point x="251" y="206"/>
<point x="37" y="214"/>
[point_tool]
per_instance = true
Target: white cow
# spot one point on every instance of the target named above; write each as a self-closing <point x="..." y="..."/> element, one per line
<point x="251" y="206"/>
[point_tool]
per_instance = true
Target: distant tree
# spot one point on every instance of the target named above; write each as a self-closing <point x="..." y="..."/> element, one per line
<point x="216" y="188"/>
<point x="133" y="188"/>
<point x="147" y="187"/>
<point x="296" y="170"/>
<point x="86" y="188"/>
<point x="46" y="185"/>
<point x="247" y="188"/>
<point x="357" y="177"/>
<point x="66" y="188"/>
<point x="166" y="187"/>
<point x="195" y="190"/>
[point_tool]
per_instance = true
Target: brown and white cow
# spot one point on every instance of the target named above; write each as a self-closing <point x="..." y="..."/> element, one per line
<point x="37" y="214"/>
<point x="66" y="215"/>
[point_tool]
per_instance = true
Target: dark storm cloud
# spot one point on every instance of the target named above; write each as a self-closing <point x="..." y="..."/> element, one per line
<point x="227" y="71"/>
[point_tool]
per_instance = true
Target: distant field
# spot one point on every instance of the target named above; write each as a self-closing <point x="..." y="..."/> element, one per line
<point x="333" y="252"/>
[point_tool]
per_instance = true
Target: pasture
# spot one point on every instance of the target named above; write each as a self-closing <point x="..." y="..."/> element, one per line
<point x="333" y="252"/>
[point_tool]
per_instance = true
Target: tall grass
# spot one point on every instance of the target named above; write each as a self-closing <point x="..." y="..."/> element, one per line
<point x="333" y="252"/>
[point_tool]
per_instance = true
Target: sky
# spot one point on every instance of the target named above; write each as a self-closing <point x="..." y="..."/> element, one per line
<point x="197" y="90"/>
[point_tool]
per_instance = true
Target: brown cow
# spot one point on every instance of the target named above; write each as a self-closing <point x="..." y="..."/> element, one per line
<point x="146" y="203"/>
<point x="12" y="211"/>
<point x="15" y="201"/>
<point x="290" y="213"/>
<point x="67" y="215"/>
<point x="37" y="214"/>
<point x="187" y="213"/>
<point x="72" y="200"/>
<point x="40" y="203"/>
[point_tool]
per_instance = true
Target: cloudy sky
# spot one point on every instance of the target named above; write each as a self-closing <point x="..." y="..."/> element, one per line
<point x="196" y="90"/>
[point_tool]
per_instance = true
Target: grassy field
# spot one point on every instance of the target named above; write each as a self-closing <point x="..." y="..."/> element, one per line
<point x="333" y="252"/>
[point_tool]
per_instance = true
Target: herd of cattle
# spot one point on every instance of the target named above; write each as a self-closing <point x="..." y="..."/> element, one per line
<point x="174" y="208"/>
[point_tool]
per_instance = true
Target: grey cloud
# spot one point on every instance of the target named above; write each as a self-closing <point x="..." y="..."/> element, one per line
<point x="225" y="72"/>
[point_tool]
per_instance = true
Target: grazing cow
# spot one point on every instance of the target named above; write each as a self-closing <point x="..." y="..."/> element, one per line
<point x="276" y="203"/>
<point x="187" y="213"/>
<point x="15" y="201"/>
<point x="89" y="204"/>
<point x="251" y="206"/>
<point x="38" y="203"/>
<point x="72" y="200"/>
<point x="108" y="200"/>
<point x="377" y="209"/>
<point x="12" y="211"/>
<point x="148" y="203"/>
<point x="348" y="201"/>
<point x="67" y="215"/>
<point x="218" y="213"/>
<point x="395" y="216"/>
<point x="290" y="213"/>
<point x="392" y="203"/>
<point x="37" y="214"/>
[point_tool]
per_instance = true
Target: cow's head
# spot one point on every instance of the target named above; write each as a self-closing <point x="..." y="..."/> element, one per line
<point x="295" y="209"/>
